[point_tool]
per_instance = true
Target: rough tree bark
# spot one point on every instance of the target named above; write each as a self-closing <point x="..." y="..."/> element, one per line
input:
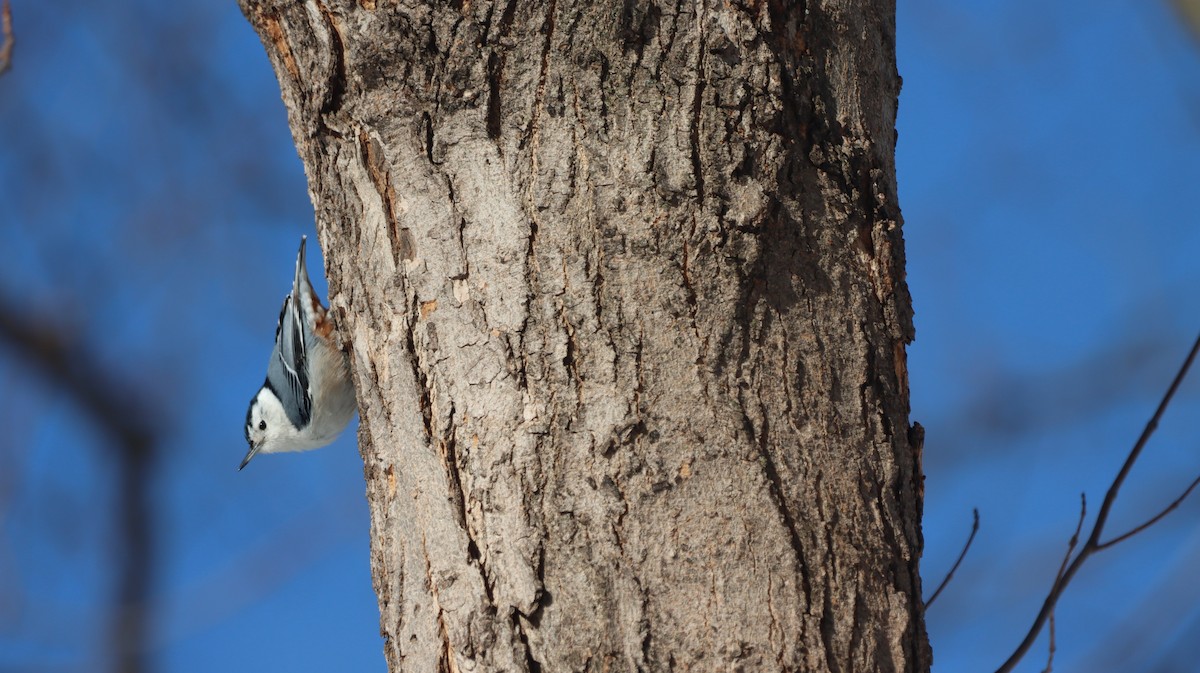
<point x="623" y="287"/>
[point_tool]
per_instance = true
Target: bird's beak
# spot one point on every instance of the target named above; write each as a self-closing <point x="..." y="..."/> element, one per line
<point x="249" y="454"/>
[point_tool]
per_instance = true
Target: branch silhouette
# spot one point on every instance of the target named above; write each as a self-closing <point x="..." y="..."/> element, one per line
<point x="1093" y="543"/>
<point x="961" y="556"/>
<point x="107" y="400"/>
<point x="1062" y="567"/>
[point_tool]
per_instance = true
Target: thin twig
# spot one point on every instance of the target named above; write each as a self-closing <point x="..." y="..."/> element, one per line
<point x="1151" y="426"/>
<point x="6" y="49"/>
<point x="961" y="556"/>
<point x="1074" y="536"/>
<point x="1050" y="657"/>
<point x="1093" y="542"/>
<point x="1062" y="567"/>
<point x="1153" y="520"/>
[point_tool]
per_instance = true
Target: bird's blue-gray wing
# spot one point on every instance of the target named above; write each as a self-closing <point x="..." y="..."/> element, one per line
<point x="287" y="372"/>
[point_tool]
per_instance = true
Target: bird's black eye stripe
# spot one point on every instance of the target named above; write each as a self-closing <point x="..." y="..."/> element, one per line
<point x="262" y="425"/>
<point x="249" y="412"/>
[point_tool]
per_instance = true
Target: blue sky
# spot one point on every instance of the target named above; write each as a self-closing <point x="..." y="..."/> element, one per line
<point x="152" y="201"/>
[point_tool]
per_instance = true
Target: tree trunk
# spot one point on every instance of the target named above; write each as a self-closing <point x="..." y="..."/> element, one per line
<point x="623" y="288"/>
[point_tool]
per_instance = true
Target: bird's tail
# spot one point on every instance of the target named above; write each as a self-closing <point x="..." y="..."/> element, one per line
<point x="304" y="297"/>
<point x="301" y="281"/>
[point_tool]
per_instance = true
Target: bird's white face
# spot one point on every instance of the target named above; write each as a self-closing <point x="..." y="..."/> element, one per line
<point x="268" y="428"/>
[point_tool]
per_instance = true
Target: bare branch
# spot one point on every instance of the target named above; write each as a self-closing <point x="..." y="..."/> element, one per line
<point x="961" y="556"/>
<point x="1074" y="537"/>
<point x="110" y="404"/>
<point x="105" y="400"/>
<point x="6" y="48"/>
<point x="1062" y="567"/>
<point x="1154" y="519"/>
<point x="1151" y="426"/>
<point x="1093" y="542"/>
<point x="1053" y="647"/>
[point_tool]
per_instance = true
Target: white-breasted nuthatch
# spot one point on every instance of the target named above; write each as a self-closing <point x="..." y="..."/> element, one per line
<point x="307" y="399"/>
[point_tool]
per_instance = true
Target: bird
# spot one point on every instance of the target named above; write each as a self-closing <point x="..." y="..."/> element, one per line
<point x="308" y="396"/>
